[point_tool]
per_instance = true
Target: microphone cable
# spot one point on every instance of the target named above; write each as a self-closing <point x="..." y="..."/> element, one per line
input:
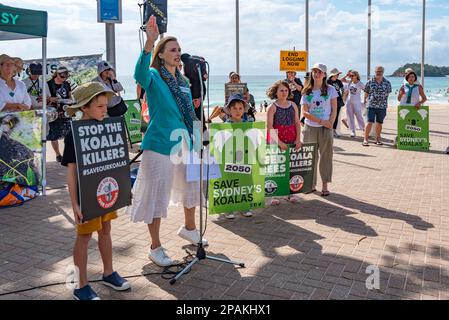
<point x="167" y="273"/>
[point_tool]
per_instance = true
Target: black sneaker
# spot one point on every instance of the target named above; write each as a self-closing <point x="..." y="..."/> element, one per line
<point x="59" y="158"/>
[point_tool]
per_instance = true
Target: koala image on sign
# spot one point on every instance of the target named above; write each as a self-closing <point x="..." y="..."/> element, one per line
<point x="413" y="128"/>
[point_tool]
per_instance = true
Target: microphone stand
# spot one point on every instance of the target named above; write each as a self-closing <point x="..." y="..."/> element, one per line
<point x="200" y="252"/>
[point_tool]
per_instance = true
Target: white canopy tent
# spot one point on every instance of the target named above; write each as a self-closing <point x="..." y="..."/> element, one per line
<point x="17" y="24"/>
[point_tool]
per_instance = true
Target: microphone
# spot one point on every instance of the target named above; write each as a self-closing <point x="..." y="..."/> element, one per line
<point x="186" y="58"/>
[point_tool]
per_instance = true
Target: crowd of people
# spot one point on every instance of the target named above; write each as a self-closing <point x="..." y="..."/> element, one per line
<point x="299" y="113"/>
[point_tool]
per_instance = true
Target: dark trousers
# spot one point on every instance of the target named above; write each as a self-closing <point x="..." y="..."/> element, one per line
<point x="336" y="119"/>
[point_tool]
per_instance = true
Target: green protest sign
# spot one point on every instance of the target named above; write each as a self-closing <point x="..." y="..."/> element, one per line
<point x="277" y="172"/>
<point x="413" y="128"/>
<point x="290" y="171"/>
<point x="239" y="149"/>
<point x="133" y="122"/>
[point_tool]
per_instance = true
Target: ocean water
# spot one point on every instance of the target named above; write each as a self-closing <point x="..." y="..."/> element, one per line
<point x="435" y="88"/>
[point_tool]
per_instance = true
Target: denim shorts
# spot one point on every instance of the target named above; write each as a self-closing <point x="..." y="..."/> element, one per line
<point x="377" y="115"/>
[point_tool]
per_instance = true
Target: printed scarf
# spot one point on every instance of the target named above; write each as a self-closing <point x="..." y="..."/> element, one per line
<point x="182" y="99"/>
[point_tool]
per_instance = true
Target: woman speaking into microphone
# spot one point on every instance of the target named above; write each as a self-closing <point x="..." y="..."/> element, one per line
<point x="160" y="179"/>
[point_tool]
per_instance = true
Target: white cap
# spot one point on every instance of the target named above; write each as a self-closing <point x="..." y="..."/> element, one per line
<point x="320" y="66"/>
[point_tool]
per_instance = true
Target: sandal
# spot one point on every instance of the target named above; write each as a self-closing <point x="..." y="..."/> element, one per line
<point x="379" y="143"/>
<point x="325" y="193"/>
<point x="275" y="202"/>
<point x="311" y="191"/>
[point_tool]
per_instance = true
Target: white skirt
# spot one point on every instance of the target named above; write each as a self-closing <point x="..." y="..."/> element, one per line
<point x="160" y="183"/>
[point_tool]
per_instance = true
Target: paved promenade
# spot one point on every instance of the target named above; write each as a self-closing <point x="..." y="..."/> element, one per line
<point x="388" y="208"/>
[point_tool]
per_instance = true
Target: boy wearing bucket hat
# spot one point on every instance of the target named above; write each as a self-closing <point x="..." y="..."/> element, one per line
<point x="91" y="104"/>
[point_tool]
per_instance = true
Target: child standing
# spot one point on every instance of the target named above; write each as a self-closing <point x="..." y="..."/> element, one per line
<point x="236" y="109"/>
<point x="353" y="98"/>
<point x="283" y="123"/>
<point x="92" y="100"/>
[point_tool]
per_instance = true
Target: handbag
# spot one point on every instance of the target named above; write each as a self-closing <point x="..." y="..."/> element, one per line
<point x="118" y="110"/>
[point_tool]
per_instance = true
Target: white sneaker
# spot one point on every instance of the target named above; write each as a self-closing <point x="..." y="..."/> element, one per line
<point x="159" y="256"/>
<point x="193" y="236"/>
<point x="229" y="215"/>
<point x="246" y="213"/>
<point x="352" y="134"/>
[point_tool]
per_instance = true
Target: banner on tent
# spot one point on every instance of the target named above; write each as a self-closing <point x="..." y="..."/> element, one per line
<point x="239" y="149"/>
<point x="20" y="147"/>
<point x="413" y="128"/>
<point x="290" y="171"/>
<point x="133" y="121"/>
<point x="82" y="68"/>
<point x="103" y="166"/>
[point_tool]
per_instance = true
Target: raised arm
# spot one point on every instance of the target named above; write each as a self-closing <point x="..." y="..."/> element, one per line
<point x="142" y="72"/>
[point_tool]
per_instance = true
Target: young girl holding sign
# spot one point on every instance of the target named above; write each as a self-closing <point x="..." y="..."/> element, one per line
<point x="92" y="100"/>
<point x="283" y="123"/>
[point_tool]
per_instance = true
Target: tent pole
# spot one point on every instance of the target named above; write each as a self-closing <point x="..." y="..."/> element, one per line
<point x="44" y="116"/>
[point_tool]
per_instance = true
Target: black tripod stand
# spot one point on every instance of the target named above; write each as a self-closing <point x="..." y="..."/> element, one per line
<point x="200" y="252"/>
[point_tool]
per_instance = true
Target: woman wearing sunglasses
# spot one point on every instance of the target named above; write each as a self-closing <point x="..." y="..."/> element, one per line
<point x="60" y="95"/>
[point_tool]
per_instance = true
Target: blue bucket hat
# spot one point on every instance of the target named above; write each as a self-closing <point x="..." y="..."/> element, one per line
<point x="234" y="97"/>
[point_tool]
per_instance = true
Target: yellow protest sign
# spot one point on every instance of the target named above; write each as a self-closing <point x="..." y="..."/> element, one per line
<point x="293" y="61"/>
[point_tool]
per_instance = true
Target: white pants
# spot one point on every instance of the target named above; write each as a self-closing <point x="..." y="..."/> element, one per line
<point x="355" y="108"/>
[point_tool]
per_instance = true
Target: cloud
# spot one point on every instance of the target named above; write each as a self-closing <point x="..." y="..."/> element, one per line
<point x="338" y="35"/>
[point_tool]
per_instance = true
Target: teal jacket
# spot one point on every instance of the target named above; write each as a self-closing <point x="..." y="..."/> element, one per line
<point x="165" y="116"/>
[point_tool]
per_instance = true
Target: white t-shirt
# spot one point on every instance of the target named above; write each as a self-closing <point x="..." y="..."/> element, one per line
<point x="319" y="106"/>
<point x="355" y="91"/>
<point x="18" y="95"/>
<point x="414" y="97"/>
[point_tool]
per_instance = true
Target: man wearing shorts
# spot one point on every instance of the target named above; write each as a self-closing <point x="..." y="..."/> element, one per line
<point x="376" y="93"/>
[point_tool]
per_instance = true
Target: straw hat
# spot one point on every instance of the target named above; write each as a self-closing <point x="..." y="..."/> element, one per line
<point x="85" y="93"/>
<point x="408" y="70"/>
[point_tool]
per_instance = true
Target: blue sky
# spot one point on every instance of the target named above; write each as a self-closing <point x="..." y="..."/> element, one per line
<point x="207" y="27"/>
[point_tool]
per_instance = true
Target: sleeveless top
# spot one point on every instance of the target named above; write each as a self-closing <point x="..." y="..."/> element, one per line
<point x="284" y="123"/>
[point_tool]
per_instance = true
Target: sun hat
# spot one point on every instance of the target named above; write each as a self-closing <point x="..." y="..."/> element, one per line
<point x="62" y="69"/>
<point x="334" y="72"/>
<point x="408" y="70"/>
<point x="235" y="97"/>
<point x="84" y="93"/>
<point x="103" y="66"/>
<point x="320" y="66"/>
